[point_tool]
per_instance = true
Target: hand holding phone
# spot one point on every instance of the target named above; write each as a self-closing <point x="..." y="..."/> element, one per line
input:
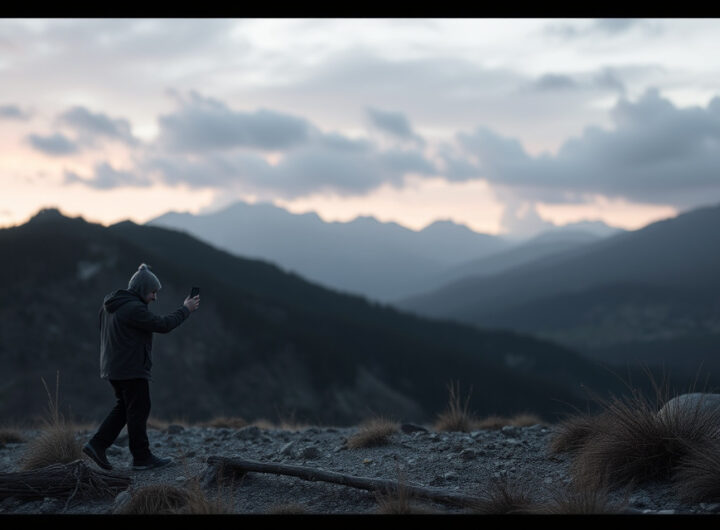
<point x="190" y="302"/>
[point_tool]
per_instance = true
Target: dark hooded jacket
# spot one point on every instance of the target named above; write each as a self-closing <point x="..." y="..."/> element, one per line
<point x="126" y="329"/>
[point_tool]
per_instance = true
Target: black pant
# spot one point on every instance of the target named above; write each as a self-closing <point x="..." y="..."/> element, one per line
<point x="132" y="407"/>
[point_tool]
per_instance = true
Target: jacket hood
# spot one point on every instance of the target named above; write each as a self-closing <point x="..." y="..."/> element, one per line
<point x="114" y="300"/>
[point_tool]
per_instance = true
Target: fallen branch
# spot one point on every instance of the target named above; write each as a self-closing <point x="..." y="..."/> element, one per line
<point x="241" y="466"/>
<point x="62" y="480"/>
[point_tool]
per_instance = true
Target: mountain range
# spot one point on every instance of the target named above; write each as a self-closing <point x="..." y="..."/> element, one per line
<point x="645" y="296"/>
<point x="383" y="261"/>
<point x="265" y="344"/>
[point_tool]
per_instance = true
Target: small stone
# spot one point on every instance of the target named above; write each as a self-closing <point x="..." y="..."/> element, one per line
<point x="174" y="428"/>
<point x="548" y="480"/>
<point x="510" y="431"/>
<point x="409" y="428"/>
<point x="367" y="461"/>
<point x="468" y="454"/>
<point x="287" y="448"/>
<point x="180" y="478"/>
<point x="248" y="433"/>
<point x="665" y="512"/>
<point x="451" y="475"/>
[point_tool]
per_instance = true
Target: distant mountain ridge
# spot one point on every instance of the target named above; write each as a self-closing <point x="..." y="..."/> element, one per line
<point x="381" y="260"/>
<point x="650" y="288"/>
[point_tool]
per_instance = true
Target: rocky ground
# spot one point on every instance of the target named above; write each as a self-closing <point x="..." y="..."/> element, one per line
<point x="458" y="462"/>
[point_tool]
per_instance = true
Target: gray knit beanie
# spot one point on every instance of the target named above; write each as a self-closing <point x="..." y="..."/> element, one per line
<point x="144" y="281"/>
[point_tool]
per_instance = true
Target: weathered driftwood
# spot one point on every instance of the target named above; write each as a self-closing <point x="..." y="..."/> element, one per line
<point x="222" y="465"/>
<point x="75" y="479"/>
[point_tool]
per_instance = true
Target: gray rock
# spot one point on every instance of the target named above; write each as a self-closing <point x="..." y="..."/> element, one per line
<point x="409" y="428"/>
<point x="174" y="428"/>
<point x="685" y="404"/>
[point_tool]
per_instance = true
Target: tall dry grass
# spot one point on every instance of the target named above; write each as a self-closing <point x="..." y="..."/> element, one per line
<point x="56" y="443"/>
<point x="457" y="415"/>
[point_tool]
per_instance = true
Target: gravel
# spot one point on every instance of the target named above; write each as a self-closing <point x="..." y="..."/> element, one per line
<point x="463" y="463"/>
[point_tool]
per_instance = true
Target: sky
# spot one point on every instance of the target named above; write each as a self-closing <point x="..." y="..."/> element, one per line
<point x="508" y="126"/>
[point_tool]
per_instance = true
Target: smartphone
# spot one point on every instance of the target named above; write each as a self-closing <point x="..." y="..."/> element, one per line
<point x="194" y="292"/>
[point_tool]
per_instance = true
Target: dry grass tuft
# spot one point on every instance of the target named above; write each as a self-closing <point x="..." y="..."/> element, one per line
<point x="629" y="442"/>
<point x="697" y="475"/>
<point x="169" y="499"/>
<point x="571" y="434"/>
<point x="162" y="425"/>
<point x="456" y="416"/>
<point x="56" y="443"/>
<point x="504" y="497"/>
<point x="373" y="433"/>
<point x="155" y="499"/>
<point x="498" y="422"/>
<point x="399" y="500"/>
<point x="291" y="508"/>
<point x="225" y="422"/>
<point x="265" y="425"/>
<point x="199" y="502"/>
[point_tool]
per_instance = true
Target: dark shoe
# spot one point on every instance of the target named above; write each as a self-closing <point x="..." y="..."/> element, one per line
<point x="151" y="463"/>
<point x="97" y="456"/>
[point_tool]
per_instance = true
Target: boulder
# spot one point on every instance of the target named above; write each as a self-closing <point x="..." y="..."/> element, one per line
<point x="691" y="403"/>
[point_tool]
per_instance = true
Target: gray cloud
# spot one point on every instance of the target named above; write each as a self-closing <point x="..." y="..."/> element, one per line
<point x="55" y="144"/>
<point x="656" y="153"/>
<point x="204" y="124"/>
<point x="609" y="27"/>
<point x="394" y="123"/>
<point x="106" y="177"/>
<point x="307" y="169"/>
<point x="13" y="112"/>
<point x="555" y="82"/>
<point x="91" y="125"/>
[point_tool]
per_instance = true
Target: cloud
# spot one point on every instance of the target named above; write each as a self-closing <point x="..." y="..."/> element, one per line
<point x="656" y="153"/>
<point x="205" y="124"/>
<point x="13" y="112"/>
<point x="106" y="177"/>
<point x="56" y="144"/>
<point x="394" y="123"/>
<point x="316" y="167"/>
<point x="90" y="125"/>
<point x="605" y="27"/>
<point x="555" y="82"/>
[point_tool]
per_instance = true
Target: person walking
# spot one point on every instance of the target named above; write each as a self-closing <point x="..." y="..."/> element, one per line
<point x="126" y="332"/>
